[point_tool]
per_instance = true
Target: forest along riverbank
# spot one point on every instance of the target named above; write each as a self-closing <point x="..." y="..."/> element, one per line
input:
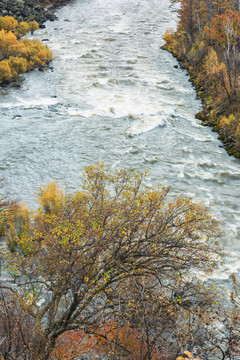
<point x="113" y="95"/>
<point x="207" y="43"/>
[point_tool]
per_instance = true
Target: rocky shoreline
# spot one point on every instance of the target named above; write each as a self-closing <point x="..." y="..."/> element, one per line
<point x="26" y="11"/>
<point x="23" y="10"/>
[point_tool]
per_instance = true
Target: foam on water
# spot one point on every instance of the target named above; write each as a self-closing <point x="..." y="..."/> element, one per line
<point x="145" y="123"/>
<point x="29" y="103"/>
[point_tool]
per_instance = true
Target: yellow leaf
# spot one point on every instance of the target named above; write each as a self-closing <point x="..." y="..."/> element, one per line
<point x="187" y="353"/>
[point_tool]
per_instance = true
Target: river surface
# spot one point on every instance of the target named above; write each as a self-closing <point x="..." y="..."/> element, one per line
<point x="113" y="95"/>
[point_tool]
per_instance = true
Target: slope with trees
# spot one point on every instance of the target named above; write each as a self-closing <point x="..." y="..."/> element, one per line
<point x="112" y="262"/>
<point x="207" y="43"/>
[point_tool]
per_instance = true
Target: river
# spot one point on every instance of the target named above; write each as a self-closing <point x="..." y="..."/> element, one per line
<point x="113" y="95"/>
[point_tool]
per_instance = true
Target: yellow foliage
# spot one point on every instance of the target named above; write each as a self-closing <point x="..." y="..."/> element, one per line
<point x="14" y="50"/>
<point x="20" y="56"/>
<point x="5" y="71"/>
<point x="212" y="63"/>
<point x="7" y="39"/>
<point x="23" y="50"/>
<point x="42" y="55"/>
<point x="188" y="354"/>
<point x="18" y="65"/>
<point x="217" y="76"/>
<point x="18" y="228"/>
<point x="202" y="45"/>
<point x="168" y="37"/>
<point x="33" y="25"/>
<point x="8" y="23"/>
<point x="50" y="197"/>
<point x="82" y="240"/>
<point x="237" y="138"/>
<point x="228" y="125"/>
<point x="22" y="29"/>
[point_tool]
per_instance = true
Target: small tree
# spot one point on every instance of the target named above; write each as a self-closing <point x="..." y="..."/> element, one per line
<point x="225" y="30"/>
<point x="22" y="29"/>
<point x="5" y="71"/>
<point x="216" y="76"/>
<point x="33" y="25"/>
<point x="87" y="245"/>
<point x="8" y="23"/>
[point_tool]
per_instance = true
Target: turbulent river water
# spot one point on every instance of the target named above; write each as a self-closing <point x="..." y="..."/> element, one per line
<point x="113" y="95"/>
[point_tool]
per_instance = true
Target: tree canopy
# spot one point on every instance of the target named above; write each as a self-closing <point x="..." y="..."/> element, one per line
<point x="82" y="260"/>
<point x="19" y="55"/>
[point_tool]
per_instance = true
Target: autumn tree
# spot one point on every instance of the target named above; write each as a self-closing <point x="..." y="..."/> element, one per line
<point x="153" y="320"/>
<point x="8" y="23"/>
<point x="19" y="56"/>
<point x="75" y="344"/>
<point x="22" y="29"/>
<point x="5" y="204"/>
<point x="80" y="248"/>
<point x="216" y="76"/>
<point x="225" y="30"/>
<point x="18" y="66"/>
<point x="15" y="327"/>
<point x="33" y="25"/>
<point x="228" y="125"/>
<point x="7" y="39"/>
<point x="196" y="14"/>
<point x="187" y="18"/>
<point x="5" y="71"/>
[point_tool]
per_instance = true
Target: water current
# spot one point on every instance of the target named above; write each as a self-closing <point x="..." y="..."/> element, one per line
<point x="113" y="95"/>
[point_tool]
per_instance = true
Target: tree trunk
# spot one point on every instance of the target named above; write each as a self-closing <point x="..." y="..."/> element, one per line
<point x="237" y="5"/>
<point x="210" y="11"/>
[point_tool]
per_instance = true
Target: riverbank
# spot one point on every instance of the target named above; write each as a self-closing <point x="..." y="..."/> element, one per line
<point x="208" y="115"/>
<point x="20" y="55"/>
<point x="25" y="10"/>
<point x="209" y="51"/>
<point x="17" y="18"/>
<point x="31" y="10"/>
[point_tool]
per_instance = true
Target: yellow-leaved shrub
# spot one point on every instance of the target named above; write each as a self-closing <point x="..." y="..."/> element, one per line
<point x="19" y="55"/>
<point x="5" y="71"/>
<point x="50" y="197"/>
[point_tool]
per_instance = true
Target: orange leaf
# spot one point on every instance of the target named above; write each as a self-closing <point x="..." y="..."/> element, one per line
<point x="188" y="354"/>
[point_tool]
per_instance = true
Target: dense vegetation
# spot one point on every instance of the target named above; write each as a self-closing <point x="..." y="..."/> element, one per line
<point x="112" y="269"/>
<point x="18" y="18"/>
<point x="207" y="43"/>
<point x="18" y="55"/>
